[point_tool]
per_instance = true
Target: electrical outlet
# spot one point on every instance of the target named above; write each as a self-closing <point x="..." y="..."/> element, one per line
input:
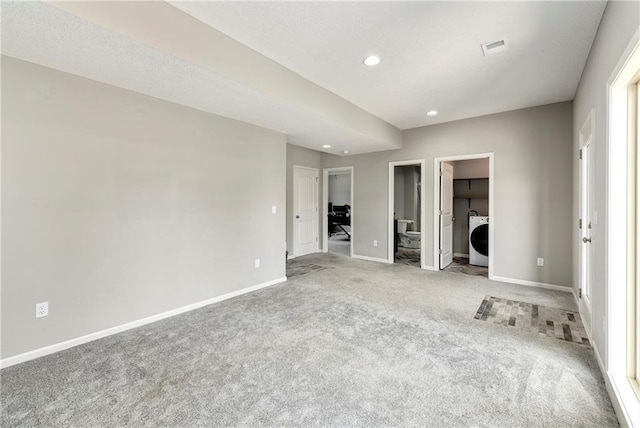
<point x="42" y="309"/>
<point x="273" y="209"/>
<point x="540" y="261"/>
<point x="375" y="243"/>
<point x="257" y="263"/>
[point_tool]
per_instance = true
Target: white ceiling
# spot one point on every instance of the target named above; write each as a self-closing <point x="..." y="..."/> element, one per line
<point x="430" y="51"/>
<point x="431" y="59"/>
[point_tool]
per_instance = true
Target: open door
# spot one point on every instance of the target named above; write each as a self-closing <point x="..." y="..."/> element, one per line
<point x="446" y="214"/>
<point x="305" y="210"/>
<point x="587" y="220"/>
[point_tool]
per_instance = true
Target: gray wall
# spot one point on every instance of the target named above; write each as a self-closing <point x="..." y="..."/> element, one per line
<point x="405" y="194"/>
<point x="619" y="23"/>
<point x="118" y="206"/>
<point x="471" y="168"/>
<point x="398" y="193"/>
<point x="301" y="156"/>
<point x="340" y="189"/>
<point x="532" y="165"/>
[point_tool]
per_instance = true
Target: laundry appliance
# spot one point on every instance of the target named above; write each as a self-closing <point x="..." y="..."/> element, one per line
<point x="479" y="240"/>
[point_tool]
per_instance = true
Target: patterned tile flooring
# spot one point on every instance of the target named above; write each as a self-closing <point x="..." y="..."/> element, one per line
<point x="461" y="265"/>
<point x="558" y="323"/>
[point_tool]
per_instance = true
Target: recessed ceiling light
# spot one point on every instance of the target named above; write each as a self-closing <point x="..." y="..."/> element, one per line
<point x="326" y="146"/>
<point x="371" y="60"/>
<point x="432" y="112"/>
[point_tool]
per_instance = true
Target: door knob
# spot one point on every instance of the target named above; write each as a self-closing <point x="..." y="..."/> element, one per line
<point x="585" y="240"/>
<point x="297" y="216"/>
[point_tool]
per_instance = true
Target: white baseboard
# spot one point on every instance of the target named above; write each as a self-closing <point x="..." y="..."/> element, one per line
<point x="461" y="255"/>
<point x="371" y="259"/>
<point x="532" y="284"/>
<point x="41" y="352"/>
<point x="624" y="418"/>
<point x="433" y="268"/>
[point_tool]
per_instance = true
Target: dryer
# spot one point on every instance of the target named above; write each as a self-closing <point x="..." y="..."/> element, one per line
<point x="479" y="240"/>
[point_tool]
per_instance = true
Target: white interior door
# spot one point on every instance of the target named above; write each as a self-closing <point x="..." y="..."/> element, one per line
<point x="446" y="214"/>
<point x="586" y="224"/>
<point x="305" y="210"/>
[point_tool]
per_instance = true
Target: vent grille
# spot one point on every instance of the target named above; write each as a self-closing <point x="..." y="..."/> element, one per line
<point x="494" y="47"/>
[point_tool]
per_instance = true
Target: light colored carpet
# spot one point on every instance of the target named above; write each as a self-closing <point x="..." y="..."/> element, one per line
<point x="339" y="243"/>
<point x="360" y="344"/>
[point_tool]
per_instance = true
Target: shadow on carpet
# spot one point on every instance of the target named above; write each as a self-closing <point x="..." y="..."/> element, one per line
<point x="299" y="268"/>
<point x="558" y="323"/>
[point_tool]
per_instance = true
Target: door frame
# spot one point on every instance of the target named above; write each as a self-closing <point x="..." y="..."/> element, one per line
<point x="620" y="263"/>
<point x="586" y="136"/>
<point x="436" y="205"/>
<point x="423" y="246"/>
<point x="293" y="211"/>
<point x="325" y="207"/>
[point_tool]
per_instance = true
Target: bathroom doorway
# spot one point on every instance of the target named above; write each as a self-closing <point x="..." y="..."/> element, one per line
<point x="406" y="213"/>
<point x="338" y="211"/>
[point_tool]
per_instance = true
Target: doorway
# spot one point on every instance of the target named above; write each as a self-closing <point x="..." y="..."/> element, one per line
<point x="338" y="210"/>
<point x="406" y="241"/>
<point x="305" y="210"/>
<point x="463" y="202"/>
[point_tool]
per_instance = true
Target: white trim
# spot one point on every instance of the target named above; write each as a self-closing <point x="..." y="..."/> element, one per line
<point x="325" y="204"/>
<point x="577" y="300"/>
<point x="622" y="396"/>
<point x="370" y="259"/>
<point x="61" y="346"/>
<point x="586" y="137"/>
<point x="436" y="204"/>
<point x="533" y="283"/>
<point x="433" y="268"/>
<point x="423" y="206"/>
<point x="460" y="255"/>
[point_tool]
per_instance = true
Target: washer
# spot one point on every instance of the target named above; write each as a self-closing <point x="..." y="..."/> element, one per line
<point x="479" y="241"/>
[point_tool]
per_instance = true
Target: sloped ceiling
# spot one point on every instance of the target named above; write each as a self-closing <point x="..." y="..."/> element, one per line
<point x="296" y="67"/>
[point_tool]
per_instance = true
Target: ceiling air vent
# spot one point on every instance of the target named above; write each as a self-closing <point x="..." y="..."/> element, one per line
<point x="494" y="47"/>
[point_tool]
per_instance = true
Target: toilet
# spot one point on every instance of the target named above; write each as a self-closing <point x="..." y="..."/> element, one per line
<point x="410" y="240"/>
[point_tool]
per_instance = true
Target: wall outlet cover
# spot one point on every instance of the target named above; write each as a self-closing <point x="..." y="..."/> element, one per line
<point x="257" y="263"/>
<point x="42" y="309"/>
<point x="375" y="243"/>
<point x="540" y="261"/>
